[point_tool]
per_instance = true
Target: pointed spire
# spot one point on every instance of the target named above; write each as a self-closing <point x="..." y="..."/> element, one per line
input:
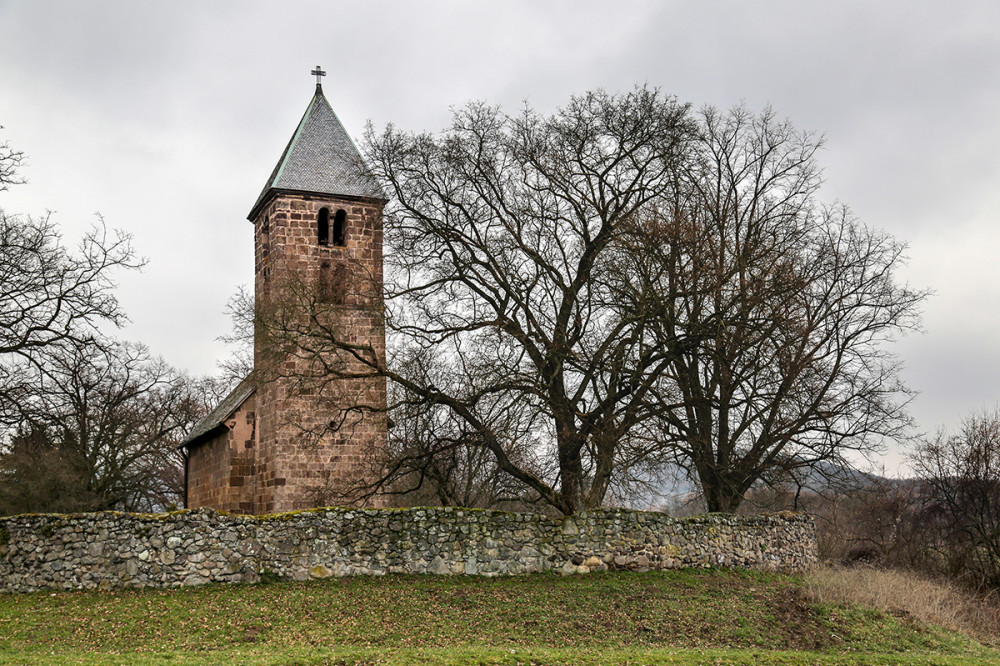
<point x="320" y="158"/>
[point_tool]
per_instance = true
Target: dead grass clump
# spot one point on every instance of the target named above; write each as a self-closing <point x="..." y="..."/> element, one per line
<point x="903" y="592"/>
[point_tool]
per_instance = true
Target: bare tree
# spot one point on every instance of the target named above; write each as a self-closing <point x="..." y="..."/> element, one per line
<point x="51" y="297"/>
<point x="10" y="161"/>
<point x="618" y="286"/>
<point x="790" y="305"/>
<point x="961" y="476"/>
<point x="239" y="364"/>
<point x="87" y="423"/>
<point x="500" y="320"/>
<point x="99" y="430"/>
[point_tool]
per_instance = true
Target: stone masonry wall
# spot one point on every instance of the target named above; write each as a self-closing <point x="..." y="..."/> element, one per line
<point x="222" y="470"/>
<point x="112" y="550"/>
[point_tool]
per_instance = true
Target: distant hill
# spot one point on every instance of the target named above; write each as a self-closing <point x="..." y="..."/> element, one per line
<point x="673" y="492"/>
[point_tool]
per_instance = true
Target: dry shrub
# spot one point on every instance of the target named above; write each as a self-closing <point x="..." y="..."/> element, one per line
<point x="902" y="592"/>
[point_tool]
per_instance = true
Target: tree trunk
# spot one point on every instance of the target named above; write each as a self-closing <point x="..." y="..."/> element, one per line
<point x="571" y="475"/>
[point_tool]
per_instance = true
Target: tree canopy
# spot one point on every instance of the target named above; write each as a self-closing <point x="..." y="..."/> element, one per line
<point x="616" y="286"/>
<point x="87" y="422"/>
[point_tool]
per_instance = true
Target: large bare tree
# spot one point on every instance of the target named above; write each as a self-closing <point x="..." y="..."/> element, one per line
<point x="85" y="422"/>
<point x="619" y="285"/>
<point x="501" y="322"/>
<point x="498" y="238"/>
<point x="794" y="304"/>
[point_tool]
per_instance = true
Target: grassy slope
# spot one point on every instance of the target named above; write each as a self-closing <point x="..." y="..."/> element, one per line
<point x="669" y="617"/>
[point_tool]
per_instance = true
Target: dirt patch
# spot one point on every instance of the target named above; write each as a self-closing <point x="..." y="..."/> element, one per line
<point x="799" y="621"/>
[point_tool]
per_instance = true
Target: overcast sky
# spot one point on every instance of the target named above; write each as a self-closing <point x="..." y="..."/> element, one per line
<point x="167" y="118"/>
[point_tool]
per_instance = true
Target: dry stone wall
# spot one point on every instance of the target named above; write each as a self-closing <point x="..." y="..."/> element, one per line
<point x="111" y="550"/>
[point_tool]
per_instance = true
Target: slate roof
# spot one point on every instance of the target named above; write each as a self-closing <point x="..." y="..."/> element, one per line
<point x="218" y="416"/>
<point x="320" y="158"/>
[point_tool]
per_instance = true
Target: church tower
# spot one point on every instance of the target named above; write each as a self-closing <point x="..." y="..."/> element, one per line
<point x="310" y="425"/>
<point x="318" y="246"/>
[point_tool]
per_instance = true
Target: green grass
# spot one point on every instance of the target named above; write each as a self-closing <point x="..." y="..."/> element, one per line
<point x="685" y="617"/>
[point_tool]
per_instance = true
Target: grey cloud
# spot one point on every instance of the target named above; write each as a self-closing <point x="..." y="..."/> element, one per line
<point x="168" y="117"/>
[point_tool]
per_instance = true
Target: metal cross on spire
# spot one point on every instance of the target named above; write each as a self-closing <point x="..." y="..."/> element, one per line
<point x="318" y="73"/>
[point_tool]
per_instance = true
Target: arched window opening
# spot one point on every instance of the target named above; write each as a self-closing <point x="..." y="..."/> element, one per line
<point x="340" y="228"/>
<point x="323" y="226"/>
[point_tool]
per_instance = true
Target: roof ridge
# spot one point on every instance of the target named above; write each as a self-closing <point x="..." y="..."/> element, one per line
<point x="217" y="416"/>
<point x="288" y="149"/>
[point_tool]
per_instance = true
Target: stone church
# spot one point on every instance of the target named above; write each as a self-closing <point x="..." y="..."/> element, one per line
<point x="274" y="444"/>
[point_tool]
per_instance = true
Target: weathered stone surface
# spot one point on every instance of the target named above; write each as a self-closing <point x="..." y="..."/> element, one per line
<point x="320" y="571"/>
<point x="111" y="550"/>
<point x="439" y="566"/>
<point x="194" y="579"/>
<point x="568" y="569"/>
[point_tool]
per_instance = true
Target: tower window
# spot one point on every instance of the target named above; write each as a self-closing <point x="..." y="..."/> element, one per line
<point x="323" y="226"/>
<point x="340" y="228"/>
